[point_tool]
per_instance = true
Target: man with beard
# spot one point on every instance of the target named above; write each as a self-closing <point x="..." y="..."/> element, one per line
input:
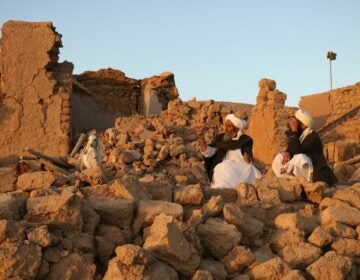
<point x="303" y="140"/>
<point x="228" y="158"/>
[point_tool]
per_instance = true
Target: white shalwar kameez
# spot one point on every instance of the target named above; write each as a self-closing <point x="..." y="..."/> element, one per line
<point x="299" y="166"/>
<point x="233" y="170"/>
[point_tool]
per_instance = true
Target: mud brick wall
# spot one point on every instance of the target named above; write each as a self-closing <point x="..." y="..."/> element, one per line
<point x="343" y="100"/>
<point x="112" y="91"/>
<point x="268" y="122"/>
<point x="34" y="108"/>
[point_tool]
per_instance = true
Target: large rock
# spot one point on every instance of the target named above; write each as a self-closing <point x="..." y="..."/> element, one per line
<point x="216" y="269"/>
<point x="340" y="230"/>
<point x="134" y="262"/>
<point x="41" y="236"/>
<point x="113" y="234"/>
<point x="245" y="223"/>
<point x="167" y="241"/>
<point x="275" y="268"/>
<point x="282" y="238"/>
<point x="295" y="220"/>
<point x="300" y="255"/>
<point x="116" y="212"/>
<point x="346" y="215"/>
<point x="7" y="180"/>
<point x="19" y="261"/>
<point x="14" y="231"/>
<point x="314" y="191"/>
<point x="350" y="195"/>
<point x="73" y="266"/>
<point x="9" y="207"/>
<point x="35" y="180"/>
<point x="238" y="258"/>
<point x="91" y="219"/>
<point x="320" y="237"/>
<point x="148" y="209"/>
<point x="189" y="195"/>
<point x="129" y="189"/>
<point x="348" y="247"/>
<point x="209" y="233"/>
<point x="330" y="266"/>
<point x="63" y="212"/>
<point x="213" y="207"/>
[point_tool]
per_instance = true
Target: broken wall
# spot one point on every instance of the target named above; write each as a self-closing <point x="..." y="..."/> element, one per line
<point x="343" y="100"/>
<point x="156" y="92"/>
<point x="268" y="122"/>
<point x="99" y="97"/>
<point x="35" y="103"/>
<point x="319" y="106"/>
<point x="112" y="91"/>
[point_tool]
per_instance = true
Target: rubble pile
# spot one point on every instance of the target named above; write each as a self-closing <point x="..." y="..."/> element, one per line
<point x="150" y="213"/>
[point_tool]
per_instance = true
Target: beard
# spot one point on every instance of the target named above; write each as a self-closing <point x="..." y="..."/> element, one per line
<point x="227" y="137"/>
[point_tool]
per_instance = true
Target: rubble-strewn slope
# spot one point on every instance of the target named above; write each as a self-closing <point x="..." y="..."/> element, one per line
<point x="157" y="217"/>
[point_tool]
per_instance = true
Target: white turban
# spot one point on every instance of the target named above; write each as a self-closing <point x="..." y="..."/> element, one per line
<point x="305" y="118"/>
<point x="239" y="123"/>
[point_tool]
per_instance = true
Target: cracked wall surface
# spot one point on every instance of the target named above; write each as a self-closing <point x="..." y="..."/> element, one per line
<point x="36" y="89"/>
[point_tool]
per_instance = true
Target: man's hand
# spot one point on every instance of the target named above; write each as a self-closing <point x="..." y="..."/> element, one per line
<point x="293" y="123"/>
<point x="247" y="158"/>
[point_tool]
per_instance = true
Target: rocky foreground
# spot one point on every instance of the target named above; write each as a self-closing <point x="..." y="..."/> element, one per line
<point x="150" y="214"/>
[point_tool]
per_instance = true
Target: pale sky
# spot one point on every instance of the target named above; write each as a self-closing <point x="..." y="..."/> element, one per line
<point x="216" y="49"/>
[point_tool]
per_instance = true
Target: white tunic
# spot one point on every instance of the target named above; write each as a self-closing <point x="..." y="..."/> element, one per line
<point x="233" y="170"/>
<point x="300" y="166"/>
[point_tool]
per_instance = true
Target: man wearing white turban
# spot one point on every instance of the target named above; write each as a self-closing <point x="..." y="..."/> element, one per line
<point x="303" y="140"/>
<point x="228" y="158"/>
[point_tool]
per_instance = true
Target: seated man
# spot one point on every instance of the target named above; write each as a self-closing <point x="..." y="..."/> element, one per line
<point x="287" y="165"/>
<point x="303" y="140"/>
<point x="228" y="158"/>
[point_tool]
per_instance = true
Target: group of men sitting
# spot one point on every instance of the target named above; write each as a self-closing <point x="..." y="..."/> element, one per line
<point x="229" y="159"/>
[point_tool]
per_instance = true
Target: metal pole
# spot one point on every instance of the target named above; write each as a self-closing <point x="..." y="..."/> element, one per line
<point x="330" y="76"/>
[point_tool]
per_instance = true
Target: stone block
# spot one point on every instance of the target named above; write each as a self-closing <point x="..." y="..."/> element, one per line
<point x="237" y="259"/>
<point x="216" y="269"/>
<point x="300" y="255"/>
<point x="320" y="237"/>
<point x="77" y="266"/>
<point x="345" y="246"/>
<point x="348" y="216"/>
<point x="275" y="268"/>
<point x="189" y="195"/>
<point x="19" y="261"/>
<point x="35" y="180"/>
<point x="63" y="212"/>
<point x="148" y="209"/>
<point x="209" y="233"/>
<point x="281" y="238"/>
<point x="330" y="266"/>
<point x="115" y="212"/>
<point x="167" y="242"/>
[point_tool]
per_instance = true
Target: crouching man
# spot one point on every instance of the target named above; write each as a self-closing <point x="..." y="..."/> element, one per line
<point x="228" y="158"/>
<point x="302" y="139"/>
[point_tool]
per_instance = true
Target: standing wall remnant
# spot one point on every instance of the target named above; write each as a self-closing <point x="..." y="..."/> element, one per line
<point x="268" y="122"/>
<point x="343" y="100"/>
<point x="100" y="97"/>
<point x="36" y="90"/>
<point x="319" y="106"/>
<point x="156" y="92"/>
